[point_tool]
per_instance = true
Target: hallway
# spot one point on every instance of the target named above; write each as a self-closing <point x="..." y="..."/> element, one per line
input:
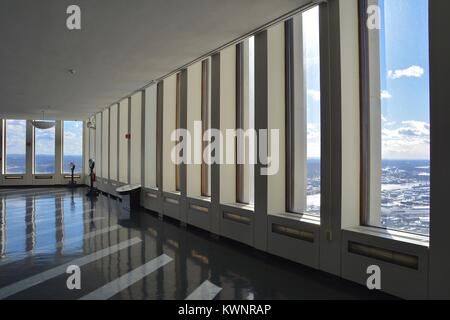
<point x="43" y="231"/>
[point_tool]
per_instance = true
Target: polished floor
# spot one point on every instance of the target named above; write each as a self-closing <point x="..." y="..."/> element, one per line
<point x="43" y="231"/>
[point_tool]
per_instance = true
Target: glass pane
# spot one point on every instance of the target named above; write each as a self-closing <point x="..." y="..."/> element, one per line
<point x="44" y="151"/>
<point x="73" y="146"/>
<point x="15" y="147"/>
<point x="311" y="61"/>
<point x="306" y="118"/>
<point x="399" y="76"/>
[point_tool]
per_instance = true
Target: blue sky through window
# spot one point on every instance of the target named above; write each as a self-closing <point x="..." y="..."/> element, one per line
<point x="73" y="145"/>
<point x="405" y="79"/>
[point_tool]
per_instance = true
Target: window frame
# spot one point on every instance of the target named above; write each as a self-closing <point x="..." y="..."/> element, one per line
<point x="63" y="142"/>
<point x="5" y="151"/>
<point x="289" y="111"/>
<point x="290" y="119"/>
<point x="206" y="125"/>
<point x="364" y="115"/>
<point x="177" y="127"/>
<point x="55" y="171"/>
<point x="365" y="126"/>
<point x="239" y="119"/>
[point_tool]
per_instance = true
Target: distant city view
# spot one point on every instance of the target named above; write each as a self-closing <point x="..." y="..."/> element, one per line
<point x="405" y="195"/>
<point x="15" y="163"/>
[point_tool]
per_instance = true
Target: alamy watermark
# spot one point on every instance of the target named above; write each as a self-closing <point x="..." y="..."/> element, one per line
<point x="74" y="280"/>
<point x="254" y="147"/>
<point x="73" y="21"/>
<point x="374" y="280"/>
<point x="373" y="17"/>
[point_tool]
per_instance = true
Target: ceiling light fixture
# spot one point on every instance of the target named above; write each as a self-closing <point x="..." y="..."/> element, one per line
<point x="43" y="124"/>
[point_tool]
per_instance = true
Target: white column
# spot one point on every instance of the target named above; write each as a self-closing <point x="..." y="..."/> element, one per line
<point x="375" y="125"/>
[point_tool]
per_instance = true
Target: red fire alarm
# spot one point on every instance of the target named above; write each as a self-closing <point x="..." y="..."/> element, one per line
<point x="128" y="136"/>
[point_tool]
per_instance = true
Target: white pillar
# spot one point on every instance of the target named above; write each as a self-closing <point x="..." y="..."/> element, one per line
<point x="375" y="125"/>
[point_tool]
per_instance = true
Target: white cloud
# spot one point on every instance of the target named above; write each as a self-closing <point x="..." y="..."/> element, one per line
<point x="313" y="140"/>
<point x="314" y="94"/>
<point x="15" y="136"/>
<point x="385" y="94"/>
<point x="410" y="140"/>
<point x="413" y="71"/>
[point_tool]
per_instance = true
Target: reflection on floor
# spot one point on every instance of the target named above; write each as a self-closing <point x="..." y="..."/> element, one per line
<point x="44" y="231"/>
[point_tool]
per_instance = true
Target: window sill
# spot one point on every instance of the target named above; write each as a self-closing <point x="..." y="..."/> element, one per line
<point x="303" y="218"/>
<point x="169" y="194"/>
<point x="43" y="176"/>
<point x="409" y="238"/>
<point x="204" y="199"/>
<point x="242" y="206"/>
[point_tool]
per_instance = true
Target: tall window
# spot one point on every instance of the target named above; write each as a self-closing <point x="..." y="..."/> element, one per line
<point x="44" y="151"/>
<point x="178" y="126"/>
<point x="15" y="146"/>
<point x="73" y="146"/>
<point x="245" y="121"/>
<point x="206" y="125"/>
<point x="395" y="115"/>
<point x="303" y="109"/>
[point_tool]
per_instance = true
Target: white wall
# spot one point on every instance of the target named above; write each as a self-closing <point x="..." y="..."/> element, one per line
<point x="169" y="125"/>
<point x="228" y="121"/>
<point x="113" y="142"/>
<point x="350" y="113"/>
<point x="136" y="137"/>
<point x="150" y="136"/>
<point x="194" y="113"/>
<point x="105" y="144"/>
<point x="98" y="145"/>
<point x="123" y="141"/>
<point x="276" y="115"/>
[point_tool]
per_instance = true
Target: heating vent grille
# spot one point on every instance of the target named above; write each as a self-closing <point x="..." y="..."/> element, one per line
<point x="199" y="208"/>
<point x="14" y="177"/>
<point x="293" y="233"/>
<point x="70" y="177"/>
<point x="400" y="259"/>
<point x="237" y="218"/>
<point x="43" y="177"/>
<point x="152" y="195"/>
<point x="172" y="201"/>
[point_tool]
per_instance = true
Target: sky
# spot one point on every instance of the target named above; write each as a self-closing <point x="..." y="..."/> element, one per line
<point x="44" y="139"/>
<point x="311" y="56"/>
<point x="405" y="79"/>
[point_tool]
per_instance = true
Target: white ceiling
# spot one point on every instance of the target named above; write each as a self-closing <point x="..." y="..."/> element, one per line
<point x="122" y="46"/>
